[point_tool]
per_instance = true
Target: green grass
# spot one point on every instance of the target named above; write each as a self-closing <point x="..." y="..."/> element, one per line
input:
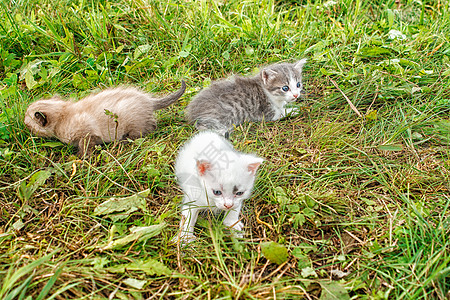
<point x="360" y="203"/>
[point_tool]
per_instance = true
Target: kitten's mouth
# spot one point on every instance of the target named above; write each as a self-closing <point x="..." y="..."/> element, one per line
<point x="225" y="208"/>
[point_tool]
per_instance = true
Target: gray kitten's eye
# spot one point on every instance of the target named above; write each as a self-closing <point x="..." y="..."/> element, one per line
<point x="285" y="88"/>
<point x="217" y="193"/>
<point x="298" y="84"/>
<point x="239" y="193"/>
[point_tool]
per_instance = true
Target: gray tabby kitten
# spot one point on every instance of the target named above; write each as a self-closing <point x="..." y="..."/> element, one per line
<point x="263" y="97"/>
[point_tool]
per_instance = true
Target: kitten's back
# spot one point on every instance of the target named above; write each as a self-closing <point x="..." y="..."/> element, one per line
<point x="228" y="102"/>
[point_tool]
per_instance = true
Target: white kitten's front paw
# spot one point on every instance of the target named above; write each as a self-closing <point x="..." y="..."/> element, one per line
<point x="291" y="111"/>
<point x="239" y="226"/>
<point x="237" y="230"/>
<point x="184" y="239"/>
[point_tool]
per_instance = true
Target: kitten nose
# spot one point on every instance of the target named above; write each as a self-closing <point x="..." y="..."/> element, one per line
<point x="228" y="205"/>
<point x="295" y="95"/>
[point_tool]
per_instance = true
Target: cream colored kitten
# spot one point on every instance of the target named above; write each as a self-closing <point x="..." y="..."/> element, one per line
<point x="113" y="114"/>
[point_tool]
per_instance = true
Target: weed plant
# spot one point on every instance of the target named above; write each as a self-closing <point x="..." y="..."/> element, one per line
<point x="356" y="200"/>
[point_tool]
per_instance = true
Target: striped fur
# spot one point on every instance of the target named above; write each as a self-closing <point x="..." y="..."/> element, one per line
<point x="241" y="99"/>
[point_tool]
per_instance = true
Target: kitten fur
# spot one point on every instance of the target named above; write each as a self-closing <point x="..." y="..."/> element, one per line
<point x="213" y="176"/>
<point x="231" y="102"/>
<point x="86" y="123"/>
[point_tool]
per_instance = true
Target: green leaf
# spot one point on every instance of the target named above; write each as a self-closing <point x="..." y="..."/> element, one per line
<point x="49" y="284"/>
<point x="14" y="274"/>
<point x="274" y="252"/>
<point x="303" y="260"/>
<point x="135" y="283"/>
<point x="37" y="179"/>
<point x="393" y="147"/>
<point x="141" y="50"/>
<point x="308" y="272"/>
<point x="183" y="53"/>
<point x="333" y="290"/>
<point x="293" y="208"/>
<point x="308" y="212"/>
<point x="53" y="144"/>
<point x="390" y="17"/>
<point x="226" y="55"/>
<point x="149" y="266"/>
<point x="99" y="262"/>
<point x="374" y="51"/>
<point x="121" y="208"/>
<point x="137" y="234"/>
<point x="299" y="220"/>
<point x="29" y="80"/>
<point x="446" y="72"/>
<point x="371" y="115"/>
<point x="280" y="196"/>
<point x="22" y="289"/>
<point x="249" y="51"/>
<point x="79" y="82"/>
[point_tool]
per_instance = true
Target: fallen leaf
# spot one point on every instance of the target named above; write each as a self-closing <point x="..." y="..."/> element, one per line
<point x="371" y="115"/>
<point x="303" y="260"/>
<point x="332" y="290"/>
<point x="149" y="266"/>
<point x="137" y="234"/>
<point x="308" y="272"/>
<point x="393" y="147"/>
<point x="280" y="196"/>
<point x="274" y="252"/>
<point x="135" y="283"/>
<point x="120" y="208"/>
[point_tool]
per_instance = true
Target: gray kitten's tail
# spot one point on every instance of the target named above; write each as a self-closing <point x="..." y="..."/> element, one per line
<point x="169" y="99"/>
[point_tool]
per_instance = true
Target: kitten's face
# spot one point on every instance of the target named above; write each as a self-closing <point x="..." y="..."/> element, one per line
<point x="228" y="186"/>
<point x="284" y="81"/>
<point x="41" y="116"/>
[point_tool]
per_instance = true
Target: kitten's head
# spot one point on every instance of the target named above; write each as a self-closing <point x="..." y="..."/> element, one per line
<point x="42" y="116"/>
<point x="230" y="181"/>
<point x="284" y="81"/>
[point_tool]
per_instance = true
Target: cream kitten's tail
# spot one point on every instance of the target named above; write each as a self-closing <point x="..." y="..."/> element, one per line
<point x="168" y="100"/>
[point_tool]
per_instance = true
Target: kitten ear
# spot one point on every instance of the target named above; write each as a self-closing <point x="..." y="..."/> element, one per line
<point x="253" y="164"/>
<point x="41" y="118"/>
<point x="267" y="75"/>
<point x="299" y="65"/>
<point x="203" y="166"/>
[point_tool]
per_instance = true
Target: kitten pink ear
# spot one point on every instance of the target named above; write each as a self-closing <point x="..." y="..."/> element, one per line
<point x="267" y="75"/>
<point x="254" y="165"/>
<point x="299" y="65"/>
<point x="203" y="166"/>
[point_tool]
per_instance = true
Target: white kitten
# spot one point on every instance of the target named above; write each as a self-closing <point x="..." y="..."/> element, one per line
<point x="213" y="176"/>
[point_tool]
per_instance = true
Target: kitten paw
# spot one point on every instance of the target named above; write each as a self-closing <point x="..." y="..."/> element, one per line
<point x="239" y="226"/>
<point x="292" y="111"/>
<point x="237" y="230"/>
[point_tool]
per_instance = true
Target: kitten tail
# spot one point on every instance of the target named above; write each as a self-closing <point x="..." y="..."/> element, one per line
<point x="168" y="100"/>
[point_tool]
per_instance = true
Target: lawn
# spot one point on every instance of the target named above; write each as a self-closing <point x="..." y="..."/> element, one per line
<point x="352" y="201"/>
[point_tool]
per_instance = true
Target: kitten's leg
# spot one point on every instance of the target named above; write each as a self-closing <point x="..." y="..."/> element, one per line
<point x="232" y="220"/>
<point x="291" y="111"/>
<point x="86" y="144"/>
<point x="213" y="125"/>
<point x="189" y="214"/>
<point x="135" y="132"/>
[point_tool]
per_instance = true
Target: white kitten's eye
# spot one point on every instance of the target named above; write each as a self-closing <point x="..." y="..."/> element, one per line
<point x="298" y="84"/>
<point x="239" y="193"/>
<point x="217" y="193"/>
<point x="285" y="88"/>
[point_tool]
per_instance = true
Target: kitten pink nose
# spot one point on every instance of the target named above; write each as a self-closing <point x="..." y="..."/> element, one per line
<point x="295" y="95"/>
<point x="228" y="205"/>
